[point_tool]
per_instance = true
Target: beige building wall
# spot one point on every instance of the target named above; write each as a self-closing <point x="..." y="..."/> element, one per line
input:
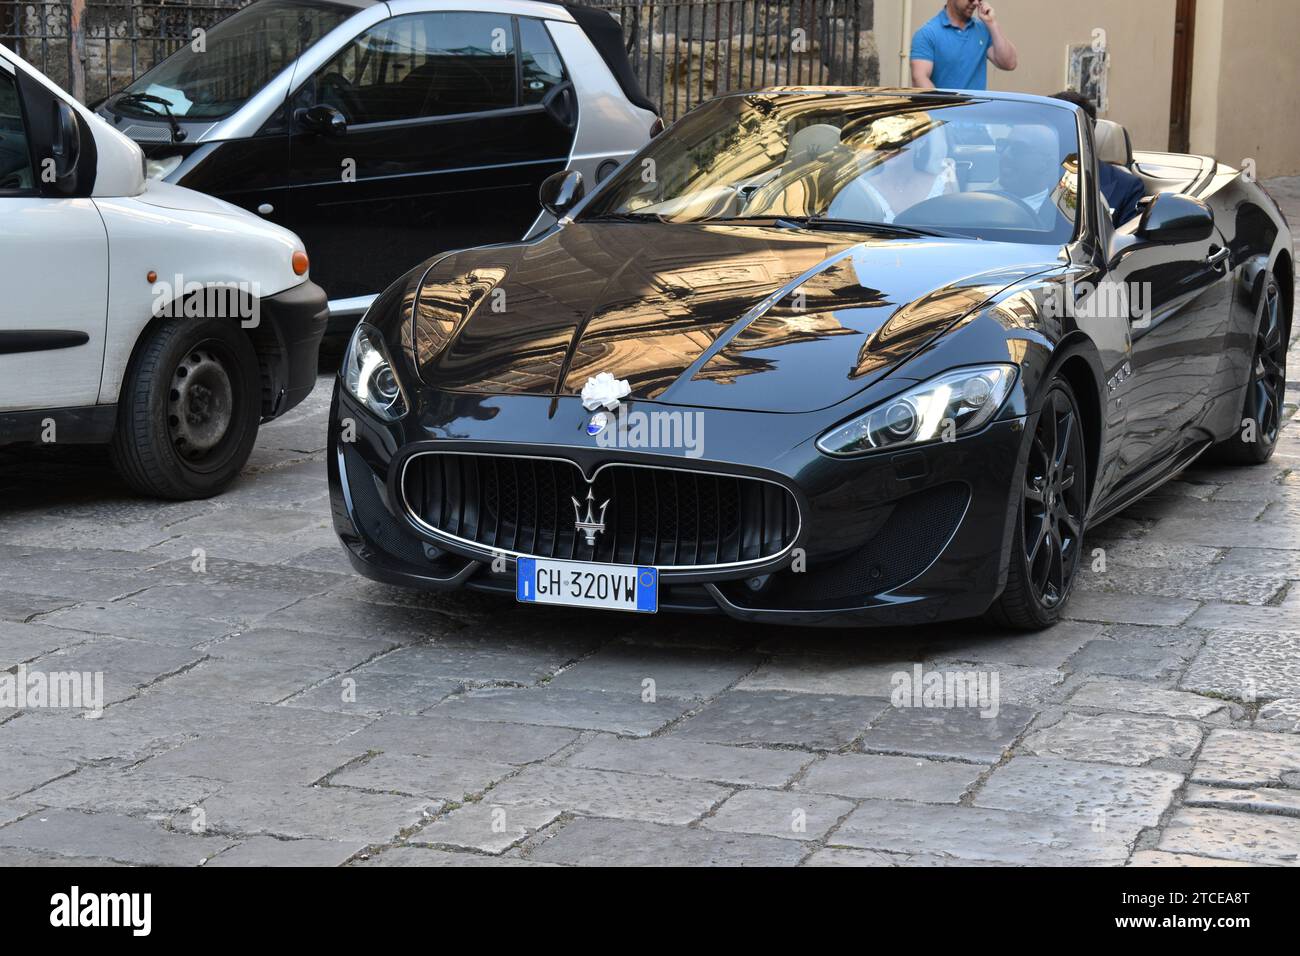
<point x="1245" y="67"/>
<point x="1246" y="84"/>
<point x="1139" y="35"/>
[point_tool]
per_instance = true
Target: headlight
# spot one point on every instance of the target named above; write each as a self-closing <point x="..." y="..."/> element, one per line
<point x="368" y="374"/>
<point x="955" y="403"/>
<point x="162" y="166"/>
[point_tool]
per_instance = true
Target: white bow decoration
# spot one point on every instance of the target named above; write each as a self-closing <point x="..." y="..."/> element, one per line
<point x="604" y="391"/>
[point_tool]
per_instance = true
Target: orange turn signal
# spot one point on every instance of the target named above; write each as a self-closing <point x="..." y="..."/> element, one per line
<point x="151" y="276"/>
<point x="300" y="263"/>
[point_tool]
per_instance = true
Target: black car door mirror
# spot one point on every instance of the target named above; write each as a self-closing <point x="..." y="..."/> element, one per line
<point x="323" y="119"/>
<point x="1173" y="218"/>
<point x="561" y="191"/>
<point x="65" y="147"/>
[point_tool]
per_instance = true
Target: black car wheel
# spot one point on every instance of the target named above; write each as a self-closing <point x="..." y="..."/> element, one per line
<point x="189" y="410"/>
<point x="1048" y="543"/>
<point x="1261" y="415"/>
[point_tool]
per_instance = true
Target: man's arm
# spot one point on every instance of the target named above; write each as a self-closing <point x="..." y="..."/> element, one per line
<point x="1001" y="50"/>
<point x="921" y="70"/>
<point x="922" y="59"/>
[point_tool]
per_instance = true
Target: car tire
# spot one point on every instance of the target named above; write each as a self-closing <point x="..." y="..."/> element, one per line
<point x="1266" y="387"/>
<point x="189" y="410"/>
<point x="1047" y="548"/>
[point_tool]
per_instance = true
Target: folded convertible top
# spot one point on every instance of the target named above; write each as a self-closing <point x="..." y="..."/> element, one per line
<point x="606" y="35"/>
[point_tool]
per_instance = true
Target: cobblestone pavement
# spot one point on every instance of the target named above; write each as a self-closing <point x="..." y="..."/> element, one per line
<point x="275" y="708"/>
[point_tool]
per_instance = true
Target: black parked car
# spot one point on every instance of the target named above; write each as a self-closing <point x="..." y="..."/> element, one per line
<point x="844" y="357"/>
<point x="382" y="133"/>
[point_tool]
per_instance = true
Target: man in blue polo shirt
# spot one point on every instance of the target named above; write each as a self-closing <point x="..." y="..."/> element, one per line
<point x="951" y="50"/>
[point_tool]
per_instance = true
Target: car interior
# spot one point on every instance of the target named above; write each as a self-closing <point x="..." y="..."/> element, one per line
<point x="15" y="159"/>
<point x="1159" y="172"/>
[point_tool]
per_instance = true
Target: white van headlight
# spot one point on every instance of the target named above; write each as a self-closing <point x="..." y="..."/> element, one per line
<point x="369" y="376"/>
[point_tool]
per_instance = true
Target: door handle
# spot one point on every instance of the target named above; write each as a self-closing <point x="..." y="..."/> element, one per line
<point x="1218" y="257"/>
<point x="265" y="209"/>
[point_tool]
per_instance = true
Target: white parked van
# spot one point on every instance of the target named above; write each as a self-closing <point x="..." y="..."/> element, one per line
<point x="137" y="313"/>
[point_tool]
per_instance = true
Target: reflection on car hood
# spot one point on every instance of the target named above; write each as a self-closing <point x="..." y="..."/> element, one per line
<point x="712" y="315"/>
<point x="169" y="196"/>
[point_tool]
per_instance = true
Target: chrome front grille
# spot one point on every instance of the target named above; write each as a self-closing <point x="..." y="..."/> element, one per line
<point x="665" y="517"/>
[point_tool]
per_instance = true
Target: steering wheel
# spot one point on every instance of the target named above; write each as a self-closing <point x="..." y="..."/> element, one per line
<point x="998" y="210"/>
<point x="344" y="93"/>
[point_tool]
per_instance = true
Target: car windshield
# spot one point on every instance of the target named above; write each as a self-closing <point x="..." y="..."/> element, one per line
<point x="986" y="169"/>
<point x="239" y="56"/>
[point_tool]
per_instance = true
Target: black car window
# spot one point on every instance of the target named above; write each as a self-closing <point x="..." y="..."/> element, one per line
<point x="987" y="169"/>
<point x="15" y="161"/>
<point x="425" y="64"/>
<point x="238" y="57"/>
<point x="543" y="70"/>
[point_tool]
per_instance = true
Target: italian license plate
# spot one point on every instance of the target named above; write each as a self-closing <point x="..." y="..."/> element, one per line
<point x="617" y="587"/>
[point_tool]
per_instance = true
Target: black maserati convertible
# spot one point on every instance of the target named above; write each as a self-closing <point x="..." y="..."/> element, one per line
<point x="817" y="356"/>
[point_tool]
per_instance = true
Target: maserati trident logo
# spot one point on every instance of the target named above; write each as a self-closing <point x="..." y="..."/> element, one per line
<point x="589" y="525"/>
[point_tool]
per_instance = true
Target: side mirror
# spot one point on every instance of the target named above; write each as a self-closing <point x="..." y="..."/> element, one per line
<point x="1174" y="218"/>
<point x="323" y="119"/>
<point x="65" y="147"/>
<point x="561" y="191"/>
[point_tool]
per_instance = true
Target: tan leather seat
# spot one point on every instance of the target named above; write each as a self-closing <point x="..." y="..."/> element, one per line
<point x="1113" y="143"/>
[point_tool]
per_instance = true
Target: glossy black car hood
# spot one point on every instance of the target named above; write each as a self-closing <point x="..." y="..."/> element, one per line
<point x="723" y="316"/>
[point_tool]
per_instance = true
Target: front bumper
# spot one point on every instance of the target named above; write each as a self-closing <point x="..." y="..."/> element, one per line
<point x="894" y="538"/>
<point x="292" y="325"/>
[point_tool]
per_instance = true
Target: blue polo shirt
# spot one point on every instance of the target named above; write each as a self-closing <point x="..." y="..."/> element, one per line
<point x="959" y="55"/>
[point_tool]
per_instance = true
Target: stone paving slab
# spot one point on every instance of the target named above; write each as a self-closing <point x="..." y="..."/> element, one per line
<point x="267" y="851"/>
<point x="976" y="833"/>
<point x="483" y="661"/>
<point x="958" y="733"/>
<point x="450" y="779"/>
<point x="1120" y="608"/>
<point x="1249" y="837"/>
<point x="813" y="721"/>
<point x="1262" y="800"/>
<point x="667" y="671"/>
<point x="779" y="813"/>
<point x="1091" y="792"/>
<point x="20" y="643"/>
<point x="622" y="713"/>
<point x="326" y="813"/>
<point x="1247" y="665"/>
<point x="431" y="856"/>
<point x="374" y="695"/>
<point x="691" y="760"/>
<point x="1137" y="698"/>
<point x="1282" y="716"/>
<point x="434" y="736"/>
<point x="1246" y="758"/>
<point x="486" y="826"/>
<point x="110" y="836"/>
<point x="1156" y="654"/>
<point x="625" y="843"/>
<point x="247" y="759"/>
<point x="1163" y="858"/>
<point x="609" y="794"/>
<point x="885" y="777"/>
<point x="1108" y="738"/>
<point x="141" y="791"/>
